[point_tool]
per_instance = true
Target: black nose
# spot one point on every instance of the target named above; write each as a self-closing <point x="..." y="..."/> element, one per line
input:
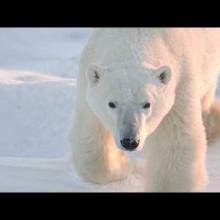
<point x="130" y="143"/>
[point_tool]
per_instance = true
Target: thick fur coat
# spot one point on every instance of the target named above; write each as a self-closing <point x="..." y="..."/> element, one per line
<point x="156" y="85"/>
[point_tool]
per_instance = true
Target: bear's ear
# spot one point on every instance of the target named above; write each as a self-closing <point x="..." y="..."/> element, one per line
<point x="94" y="75"/>
<point x="164" y="74"/>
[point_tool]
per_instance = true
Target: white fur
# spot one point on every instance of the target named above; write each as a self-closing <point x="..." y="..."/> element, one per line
<point x="172" y="131"/>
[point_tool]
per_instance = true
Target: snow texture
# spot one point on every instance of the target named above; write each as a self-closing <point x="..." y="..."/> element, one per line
<point x="38" y="69"/>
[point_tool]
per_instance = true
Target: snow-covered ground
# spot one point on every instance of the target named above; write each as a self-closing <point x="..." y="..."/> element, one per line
<point x="37" y="83"/>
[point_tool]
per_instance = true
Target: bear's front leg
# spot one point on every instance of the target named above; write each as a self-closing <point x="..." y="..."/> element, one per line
<point x="93" y="152"/>
<point x="176" y="152"/>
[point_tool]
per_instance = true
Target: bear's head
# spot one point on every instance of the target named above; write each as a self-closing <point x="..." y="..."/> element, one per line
<point x="130" y="102"/>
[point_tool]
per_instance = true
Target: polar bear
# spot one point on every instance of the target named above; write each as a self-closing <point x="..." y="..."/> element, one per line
<point x="150" y="88"/>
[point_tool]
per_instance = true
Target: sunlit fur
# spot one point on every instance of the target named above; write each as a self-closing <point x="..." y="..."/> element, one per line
<point x="172" y="130"/>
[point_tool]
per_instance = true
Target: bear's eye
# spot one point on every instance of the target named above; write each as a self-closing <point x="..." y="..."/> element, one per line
<point x="112" y="105"/>
<point x="146" y="105"/>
